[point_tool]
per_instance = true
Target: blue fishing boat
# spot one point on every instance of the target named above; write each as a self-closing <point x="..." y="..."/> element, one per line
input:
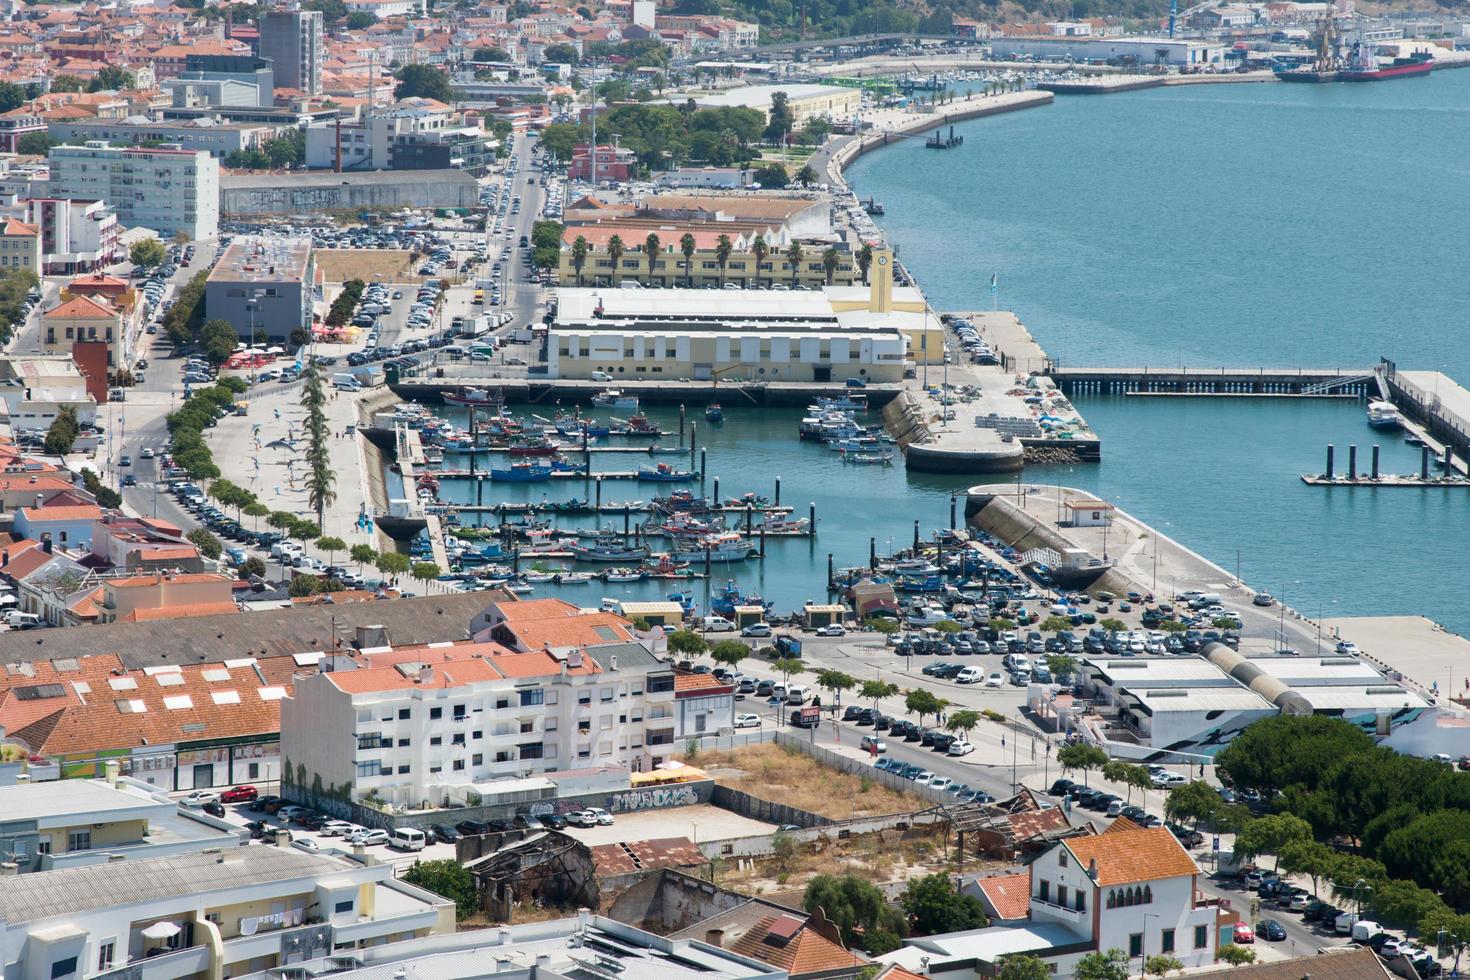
<point x="713" y="413"/>
<point x="929" y="583"/>
<point x="664" y="473"/>
<point x="521" y="473"/>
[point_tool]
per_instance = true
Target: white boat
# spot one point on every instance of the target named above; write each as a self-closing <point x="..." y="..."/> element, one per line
<point x="929" y="616"/>
<point x="1384" y="415"/>
<point x="614" y="398"/>
<point x="729" y="546"/>
<point x="574" y="578"/>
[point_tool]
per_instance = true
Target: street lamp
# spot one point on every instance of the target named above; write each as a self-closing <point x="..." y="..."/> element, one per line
<point x="1143" y="944"/>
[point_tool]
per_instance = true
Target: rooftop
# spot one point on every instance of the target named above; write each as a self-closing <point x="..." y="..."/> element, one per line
<point x="1166" y="699"/>
<point x="1127" y="854"/>
<point x="64" y="798"/>
<point x="263" y="259"/>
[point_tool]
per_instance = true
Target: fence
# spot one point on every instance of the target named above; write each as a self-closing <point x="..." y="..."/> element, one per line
<point x="861" y="767"/>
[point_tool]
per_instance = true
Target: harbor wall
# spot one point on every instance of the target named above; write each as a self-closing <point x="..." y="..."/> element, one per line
<point x="998" y="515"/>
<point x="924" y="453"/>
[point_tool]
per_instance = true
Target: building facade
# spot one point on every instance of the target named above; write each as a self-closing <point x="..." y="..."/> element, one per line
<point x="292" y="40"/>
<point x="167" y="189"/>
<point x="20" y="246"/>
<point x="263" y="284"/>
<point x="76" y="235"/>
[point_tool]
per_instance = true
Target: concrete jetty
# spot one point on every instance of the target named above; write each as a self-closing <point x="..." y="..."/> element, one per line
<point x="1105" y="85"/>
<point x="1357" y="382"/>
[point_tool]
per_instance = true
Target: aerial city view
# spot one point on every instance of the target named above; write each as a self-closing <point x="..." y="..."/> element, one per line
<point x="734" y="490"/>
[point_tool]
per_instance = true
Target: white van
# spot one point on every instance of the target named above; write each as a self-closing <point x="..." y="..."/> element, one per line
<point x="970" y="675"/>
<point x="798" y="694"/>
<point x="346" y="382"/>
<point x="1365" y="929"/>
<point x="287" y="549"/>
<point x="601" y="376"/>
<point x="407" y="839"/>
<point x="22" y="620"/>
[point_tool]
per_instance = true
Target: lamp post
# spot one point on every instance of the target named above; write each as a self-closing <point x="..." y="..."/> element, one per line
<point x="1143" y="945"/>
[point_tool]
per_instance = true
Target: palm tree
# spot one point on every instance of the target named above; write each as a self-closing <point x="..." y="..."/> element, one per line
<point x="760" y="250"/>
<point x="580" y="251"/>
<point x="829" y="262"/>
<point x="654" y="248"/>
<point x="687" y="245"/>
<point x="793" y="255"/>
<point x="865" y="260"/>
<point x="615" y="250"/>
<point x="723" y="248"/>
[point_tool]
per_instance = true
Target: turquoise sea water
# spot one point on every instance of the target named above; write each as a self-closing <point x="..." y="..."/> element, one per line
<point x="1261" y="225"/>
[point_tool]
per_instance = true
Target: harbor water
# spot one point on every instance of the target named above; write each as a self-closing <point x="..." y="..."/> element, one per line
<point x="1237" y="225"/>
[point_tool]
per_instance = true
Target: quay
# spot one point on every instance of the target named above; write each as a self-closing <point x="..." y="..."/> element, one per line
<point x="1308" y="382"/>
<point x="524" y="391"/>
<point x="1105" y="85"/>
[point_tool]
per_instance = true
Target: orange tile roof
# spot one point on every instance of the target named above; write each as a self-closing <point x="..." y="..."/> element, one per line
<point x="27" y="562"/>
<point x="184" y="611"/>
<point x="19" y="229"/>
<point x="684" y="682"/>
<point x="82" y="307"/>
<point x="1009" y="895"/>
<point x="33" y="483"/>
<point x="805" y="952"/>
<point x="587" y="629"/>
<point x="1133" y="854"/>
<point x="381" y="679"/>
<point x="79" y="512"/>
<point x="527" y="609"/>
<point x="140" y="581"/>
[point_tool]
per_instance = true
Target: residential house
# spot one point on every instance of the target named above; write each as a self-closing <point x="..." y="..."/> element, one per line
<point x="138" y="598"/>
<point x="84" y="318"/>
<point x="805" y="947"/>
<point x="76" y="235"/>
<point x="540" y="624"/>
<point x="20" y="246"/>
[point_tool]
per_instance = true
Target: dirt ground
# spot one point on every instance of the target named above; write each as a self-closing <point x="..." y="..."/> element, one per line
<point x="367" y="264"/>
<point x="796" y="779"/>
<point x="698" y="823"/>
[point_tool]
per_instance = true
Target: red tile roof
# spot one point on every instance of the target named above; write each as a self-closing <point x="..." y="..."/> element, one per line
<point x="1008" y="895"/>
<point x="1133" y="854"/>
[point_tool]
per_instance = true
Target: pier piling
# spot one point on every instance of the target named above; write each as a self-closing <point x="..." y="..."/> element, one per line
<point x="811" y="517"/>
<point x="749" y="517"/>
<point x="952" y="501"/>
<point x="831" y="572"/>
<point x="1329" y="462"/>
<point x="763" y="542"/>
<point x="716" y="494"/>
<point x="627" y="521"/>
<point x="703" y="462"/>
<point x="599" y="492"/>
<point x="778" y="491"/>
<point x="706" y="562"/>
<point x="1449" y="459"/>
<point x="916" y="538"/>
<point x="1352" y="462"/>
<point x="693" y="440"/>
<point x="1424" y="463"/>
<point x="681" y="423"/>
<point x="1375" y="462"/>
<point x="872" y="554"/>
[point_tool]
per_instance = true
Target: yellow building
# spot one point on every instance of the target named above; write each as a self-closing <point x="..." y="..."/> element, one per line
<point x="84" y="318"/>
<point x="20" y="246"/>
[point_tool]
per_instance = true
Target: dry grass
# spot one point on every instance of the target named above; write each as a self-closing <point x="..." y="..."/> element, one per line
<point x="389" y="265"/>
<point x="796" y="779"/>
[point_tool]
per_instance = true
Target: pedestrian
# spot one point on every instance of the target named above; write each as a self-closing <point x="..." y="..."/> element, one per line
<point x="1002" y="741"/>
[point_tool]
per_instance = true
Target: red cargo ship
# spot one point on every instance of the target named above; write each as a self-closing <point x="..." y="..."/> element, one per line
<point x="1368" y="69"/>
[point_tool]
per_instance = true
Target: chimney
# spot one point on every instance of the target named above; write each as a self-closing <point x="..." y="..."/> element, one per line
<point x="613" y="665"/>
<point x="1092" y="869"/>
<point x="113" y="769"/>
<point x="543" y="962"/>
<point x="583" y="915"/>
<point x="504" y="936"/>
<point x="715" y="937"/>
<point x="574" y="659"/>
<point x="426" y="674"/>
<point x="9" y="869"/>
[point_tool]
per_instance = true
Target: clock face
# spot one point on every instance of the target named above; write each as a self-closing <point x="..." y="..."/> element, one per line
<point x="883" y="260"/>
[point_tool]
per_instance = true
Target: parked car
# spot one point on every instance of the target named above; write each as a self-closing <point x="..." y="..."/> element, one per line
<point x="756" y="629"/>
<point x="446" y="833"/>
<point x="1270" y="930"/>
<point x="960" y="747"/>
<point x="239" y="794"/>
<point x="1244" y="933"/>
<point x="873" y="743"/>
<point x="747" y="721"/>
<point x="369" y="838"/>
<point x="338" y="828"/>
<point x="198" y="798"/>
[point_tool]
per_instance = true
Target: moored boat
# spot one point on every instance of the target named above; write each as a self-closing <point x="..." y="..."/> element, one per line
<point x="1384" y="415"/>
<point x="521" y="473"/>
<point x="615" y="398"/>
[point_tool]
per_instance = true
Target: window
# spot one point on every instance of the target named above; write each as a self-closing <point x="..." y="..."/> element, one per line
<point x="372" y="767"/>
<point x="1081" y="900"/>
<point x="403" y="743"/>
<point x="1062" y="857"/>
<point x="404" y="714"/>
<point x="531" y="750"/>
<point x="457" y="739"/>
<point x="532" y="697"/>
<point x="369" y="740"/>
<point x="502" y="703"/>
<point x="477" y="759"/>
<point x="436" y="713"/>
<point x="105" y="953"/>
<point x="458" y="765"/>
<point x="63" y="968"/>
<point x="607" y="694"/>
<point x="403" y="770"/>
<point x="459" y="712"/>
<point x="585" y="697"/>
<point x="43" y="846"/>
<point x="342" y="907"/>
<point x="1045" y="892"/>
<point x="253" y="771"/>
<point x="436" y="740"/>
<point x="1062" y="895"/>
<point x="79" y="840"/>
<point x="1201" y="937"/>
<point x="661" y="684"/>
<point x="1168" y="943"/>
<point x="584" y="726"/>
<point x="527" y="727"/>
<point x="1135" y="944"/>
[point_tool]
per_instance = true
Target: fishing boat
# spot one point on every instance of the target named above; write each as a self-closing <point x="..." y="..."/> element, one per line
<point x="474" y="397"/>
<point x="521" y="473"/>
<point x="868" y="459"/>
<point x="1384" y="415"/>
<point x="539" y="577"/>
<point x="623" y="575"/>
<point x="573" y="578"/>
<point x="560" y="464"/>
<point x="519" y="588"/>
<point x="533" y="447"/>
<point x="714" y="413"/>
<point x="638" y="426"/>
<point x="656" y="449"/>
<point x="1364" y="65"/>
<point x="731" y="596"/>
<point x="608" y="547"/>
<point x="849" y="402"/>
<point x="728" y="546"/>
<point x="615" y="398"/>
<point x="664" y="473"/>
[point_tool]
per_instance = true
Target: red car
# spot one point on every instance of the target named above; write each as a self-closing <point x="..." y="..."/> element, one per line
<point x="1244" y="933"/>
<point x="240" y="794"/>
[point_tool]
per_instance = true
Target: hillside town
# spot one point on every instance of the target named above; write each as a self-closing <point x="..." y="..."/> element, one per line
<point x="371" y="604"/>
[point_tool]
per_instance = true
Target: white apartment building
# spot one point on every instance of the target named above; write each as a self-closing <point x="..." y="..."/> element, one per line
<point x="210" y="915"/>
<point x="163" y="188"/>
<point x="76" y="236"/>
<point x="419" y="726"/>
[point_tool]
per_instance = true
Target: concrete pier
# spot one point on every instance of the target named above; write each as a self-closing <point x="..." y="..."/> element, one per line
<point x="1261" y="381"/>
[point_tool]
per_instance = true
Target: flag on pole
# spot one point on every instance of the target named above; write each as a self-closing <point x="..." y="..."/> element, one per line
<point x="994" y="286"/>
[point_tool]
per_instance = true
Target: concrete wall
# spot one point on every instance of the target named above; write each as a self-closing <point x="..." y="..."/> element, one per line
<point x="666" y="902"/>
<point x="268" y="195"/>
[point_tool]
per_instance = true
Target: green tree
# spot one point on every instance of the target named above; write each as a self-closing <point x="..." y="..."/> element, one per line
<point x="1129" y="774"/>
<point x="787" y="666"/>
<point x="331" y="546"/>
<point x="772" y="177"/>
<point x="1450" y="930"/>
<point x="360" y="20"/>
<point x="1162" y="965"/>
<point x="1112" y="965"/>
<point x="806" y="176"/>
<point x="392" y="563"/>
<point x="853" y="904"/>
<point x="302" y="585"/>
<point x="147" y="251"/>
<point x="876" y="691"/>
<point x="865" y="260"/>
<point x="68" y="83"/>
<point x="759" y="250"/>
<point x="251" y="567"/>
<point x="256" y="510"/>
<point x="723" y="248"/>
<point x="962" y="722"/>
<point x="1023" y="966"/>
<point x="1237" y="955"/>
<point x="209" y="546"/>
<point x="1080" y="755"/>
<point x="491" y="54"/>
<point x="446" y="878"/>
<point x="653" y="248"/>
<point x="112" y="78"/>
<point x="363" y="554"/>
<point x="219" y="341"/>
<point x="1196" y="801"/>
<point x="426" y="571"/>
<point x="728" y="653"/>
<point x="686" y="643"/>
<point x="1288" y="750"/>
<point x="1271" y="834"/>
<point x="423" y="81"/>
<point x="794" y="255"/>
<point x="615" y="250"/>
<point x="934" y="907"/>
<point x="580" y="251"/>
<point x="560" y="54"/>
<point x="36" y="144"/>
<point x="922" y="703"/>
<point x="836" y="682"/>
<point x="830" y="262"/>
<point x="780" y="118"/>
<point x="1402" y="904"/>
<point x="687" y="247"/>
<point x="63" y="432"/>
<point x="12" y="96"/>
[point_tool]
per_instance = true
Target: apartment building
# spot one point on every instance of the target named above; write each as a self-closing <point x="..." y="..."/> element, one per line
<point x="20" y="246"/>
<point x="415" y="134"/>
<point x="219" y="913"/>
<point x="76" y="235"/>
<point x="431" y="722"/>
<point x="292" y="40"/>
<point x="85" y="318"/>
<point x="164" y="188"/>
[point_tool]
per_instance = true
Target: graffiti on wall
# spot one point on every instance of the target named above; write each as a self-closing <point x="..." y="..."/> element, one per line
<point x="653" y="799"/>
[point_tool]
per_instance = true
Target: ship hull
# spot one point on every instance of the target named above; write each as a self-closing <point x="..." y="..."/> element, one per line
<point x="1417" y="70"/>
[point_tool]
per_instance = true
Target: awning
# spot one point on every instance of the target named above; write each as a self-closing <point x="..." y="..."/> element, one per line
<point x="162" y="930"/>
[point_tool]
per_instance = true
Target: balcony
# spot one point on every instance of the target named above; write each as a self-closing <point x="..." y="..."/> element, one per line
<point x="1062" y="913"/>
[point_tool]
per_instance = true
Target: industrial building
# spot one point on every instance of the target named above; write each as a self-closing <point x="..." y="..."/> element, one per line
<point x="1191" y="707"/>
<point x="763" y="335"/>
<point x="256" y="194"/>
<point x="263" y="284"/>
<point x="1109" y="49"/>
<point x="833" y="102"/>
